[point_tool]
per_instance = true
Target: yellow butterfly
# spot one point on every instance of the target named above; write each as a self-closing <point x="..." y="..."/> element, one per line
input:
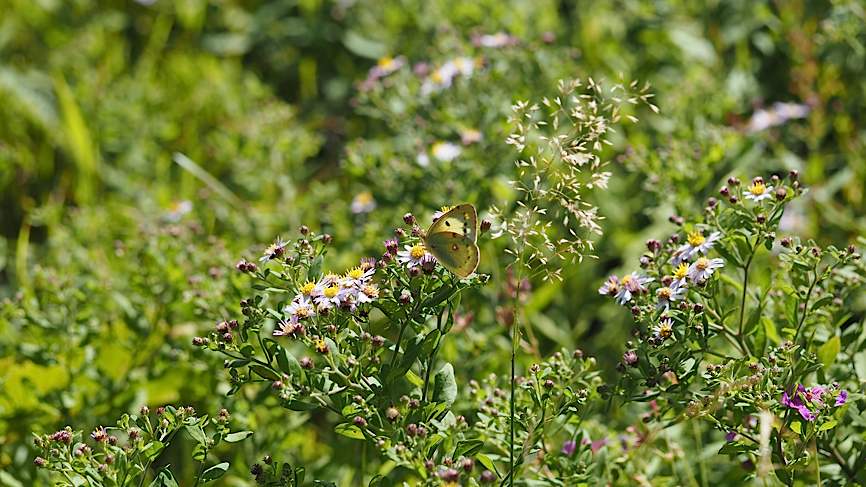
<point x="452" y="239"/>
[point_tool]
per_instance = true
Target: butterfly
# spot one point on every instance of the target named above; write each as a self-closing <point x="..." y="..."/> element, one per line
<point x="452" y="239"/>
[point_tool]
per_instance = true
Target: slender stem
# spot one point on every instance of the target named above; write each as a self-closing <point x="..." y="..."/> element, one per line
<point x="740" y="337"/>
<point x="806" y="304"/>
<point x="200" y="469"/>
<point x="515" y="343"/>
<point x="432" y="360"/>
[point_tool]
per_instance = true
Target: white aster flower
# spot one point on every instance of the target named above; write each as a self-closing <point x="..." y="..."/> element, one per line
<point x="411" y="255"/>
<point x="670" y="294"/>
<point x="703" y="268"/>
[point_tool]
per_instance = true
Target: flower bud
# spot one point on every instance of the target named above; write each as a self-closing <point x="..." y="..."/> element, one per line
<point x="485" y="225"/>
<point x="781" y="194"/>
<point x="409" y="219"/>
<point x="630" y="358"/>
<point x="304" y="229"/>
<point x="306" y="363"/>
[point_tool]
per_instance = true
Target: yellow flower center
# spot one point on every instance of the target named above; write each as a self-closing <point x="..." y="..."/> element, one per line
<point x="758" y="189"/>
<point x="321" y="346"/>
<point x="308" y="288"/>
<point x="386" y="62"/>
<point x="665" y="328"/>
<point x="665" y="292"/>
<point x="681" y="272"/>
<point x="695" y="239"/>
<point x="626" y="280"/>
<point x="371" y="290"/>
<point x="702" y="263"/>
<point x="331" y="291"/>
<point x="303" y="311"/>
<point x="355" y="273"/>
<point x="417" y="251"/>
<point x="364" y="198"/>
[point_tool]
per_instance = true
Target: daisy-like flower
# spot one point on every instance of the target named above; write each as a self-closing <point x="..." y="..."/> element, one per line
<point x="358" y="276"/>
<point x="610" y="287"/>
<point x="470" y="136"/>
<point x="669" y="294"/>
<point x="695" y="244"/>
<point x="300" y="309"/>
<point x="680" y="274"/>
<point x="330" y="294"/>
<point x="289" y="329"/>
<point x="758" y="191"/>
<point x="665" y="328"/>
<point x="411" y="255"/>
<point x="321" y="346"/>
<point x="368" y="294"/>
<point x="363" y="202"/>
<point x="308" y="290"/>
<point x="630" y="285"/>
<point x="178" y="210"/>
<point x="386" y="65"/>
<point x="703" y="268"/>
<point x="445" y="151"/>
<point x="274" y="250"/>
<point x="497" y="40"/>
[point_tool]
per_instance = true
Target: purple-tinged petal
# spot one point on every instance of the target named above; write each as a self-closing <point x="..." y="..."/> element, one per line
<point x="569" y="447"/>
<point x="842" y="398"/>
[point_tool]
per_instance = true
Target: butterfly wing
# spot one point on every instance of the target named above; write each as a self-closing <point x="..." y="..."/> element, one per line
<point x="462" y="220"/>
<point x="454" y="251"/>
<point x="452" y="240"/>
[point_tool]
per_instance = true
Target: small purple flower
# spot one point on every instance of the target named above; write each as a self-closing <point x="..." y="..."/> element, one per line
<point x="842" y="398"/>
<point x="630" y="285"/>
<point x="730" y="436"/>
<point x="569" y="447"/>
<point x="610" y="287"/>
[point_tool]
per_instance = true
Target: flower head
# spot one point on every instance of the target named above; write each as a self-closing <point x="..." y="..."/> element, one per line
<point x="274" y="250"/>
<point x="703" y="268"/>
<point x="809" y="402"/>
<point x="696" y="243"/>
<point x="569" y="447"/>
<point x="412" y="255"/>
<point x="668" y="294"/>
<point x="363" y="202"/>
<point x="665" y="328"/>
<point x="758" y="191"/>
<point x="610" y="287"/>
<point x="630" y="285"/>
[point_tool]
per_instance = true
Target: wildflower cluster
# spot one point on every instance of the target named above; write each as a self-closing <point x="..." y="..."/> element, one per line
<point x="748" y="340"/>
<point x="362" y="344"/>
<point x="121" y="455"/>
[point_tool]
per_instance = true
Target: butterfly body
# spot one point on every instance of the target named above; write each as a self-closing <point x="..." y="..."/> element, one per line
<point x="452" y="239"/>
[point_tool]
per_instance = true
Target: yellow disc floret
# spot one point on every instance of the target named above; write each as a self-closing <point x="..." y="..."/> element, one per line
<point x="331" y="291"/>
<point x="308" y="288"/>
<point x="355" y="273"/>
<point x="695" y="239"/>
<point x="417" y="251"/>
<point x="758" y="188"/>
<point x="681" y="271"/>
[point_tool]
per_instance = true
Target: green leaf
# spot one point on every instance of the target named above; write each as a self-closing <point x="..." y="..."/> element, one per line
<point x="164" y="479"/>
<point x="828" y="351"/>
<point x="287" y="363"/>
<point x="487" y="463"/>
<point x="215" y="472"/>
<point x="152" y="449"/>
<point x="264" y="372"/>
<point x="197" y="433"/>
<point x="349" y="431"/>
<point x="300" y="406"/>
<point x="467" y="448"/>
<point x="238" y="436"/>
<point x="796" y="426"/>
<point x="828" y="425"/>
<point x="445" y="387"/>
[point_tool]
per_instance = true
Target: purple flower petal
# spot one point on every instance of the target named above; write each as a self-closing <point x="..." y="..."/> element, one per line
<point x="569" y="447"/>
<point x="842" y="398"/>
<point x="731" y="436"/>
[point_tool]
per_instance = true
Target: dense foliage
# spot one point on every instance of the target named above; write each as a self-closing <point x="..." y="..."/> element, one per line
<point x="212" y="259"/>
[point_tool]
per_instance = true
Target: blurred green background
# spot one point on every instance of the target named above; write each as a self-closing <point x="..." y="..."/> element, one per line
<point x="146" y="146"/>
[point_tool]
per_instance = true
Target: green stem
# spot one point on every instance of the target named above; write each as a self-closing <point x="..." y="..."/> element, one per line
<point x="740" y="336"/>
<point x="200" y="470"/>
<point x="806" y="304"/>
